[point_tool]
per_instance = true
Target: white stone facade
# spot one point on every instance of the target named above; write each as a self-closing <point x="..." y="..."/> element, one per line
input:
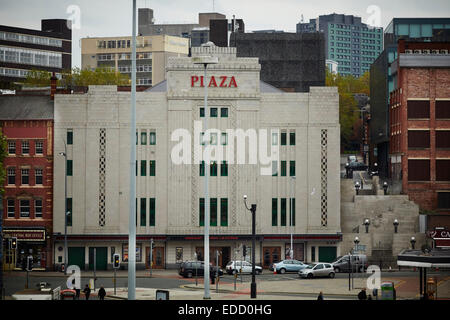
<point x="100" y="122"/>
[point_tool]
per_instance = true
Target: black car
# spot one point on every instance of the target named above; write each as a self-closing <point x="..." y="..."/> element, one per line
<point x="189" y="269"/>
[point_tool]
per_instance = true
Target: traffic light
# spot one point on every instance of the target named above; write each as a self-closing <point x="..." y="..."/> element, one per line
<point x="116" y="262"/>
<point x="29" y="263"/>
<point x="244" y="250"/>
<point x="14" y="243"/>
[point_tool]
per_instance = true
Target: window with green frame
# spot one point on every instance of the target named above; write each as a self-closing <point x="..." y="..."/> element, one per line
<point x="213" y="112"/>
<point x="143" y="212"/>
<point x="283" y="138"/>
<point x="69" y="211"/>
<point x="69" y="136"/>
<point x="274" y="211"/>
<point x="202" y="212"/>
<point x="292" y="138"/>
<point x="292" y="212"/>
<point x="274" y="168"/>
<point x="152" y="212"/>
<point x="202" y="112"/>
<point x="224" y="169"/>
<point x="202" y="169"/>
<point x="283" y="168"/>
<point x="136" y="168"/>
<point x="213" y="169"/>
<point x="69" y="168"/>
<point x="143" y="168"/>
<point x="292" y="168"/>
<point x="152" y="168"/>
<point x="213" y="212"/>
<point x="224" y="112"/>
<point x="283" y="212"/>
<point x="152" y="138"/>
<point x="143" y="138"/>
<point x="224" y="212"/>
<point x="224" y="139"/>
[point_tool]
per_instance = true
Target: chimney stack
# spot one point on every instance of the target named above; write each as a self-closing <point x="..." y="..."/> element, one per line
<point x="53" y="80"/>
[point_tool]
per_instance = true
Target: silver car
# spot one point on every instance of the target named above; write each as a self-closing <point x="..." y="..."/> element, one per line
<point x="317" y="270"/>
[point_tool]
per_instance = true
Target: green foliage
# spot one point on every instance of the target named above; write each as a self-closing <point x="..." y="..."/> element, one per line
<point x="3" y="155"/>
<point x="348" y="86"/>
<point x="78" y="78"/>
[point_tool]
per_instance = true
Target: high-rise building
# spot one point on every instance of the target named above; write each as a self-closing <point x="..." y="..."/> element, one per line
<point x="289" y="61"/>
<point x="383" y="81"/>
<point x="22" y="50"/>
<point x="152" y="53"/>
<point x="352" y="44"/>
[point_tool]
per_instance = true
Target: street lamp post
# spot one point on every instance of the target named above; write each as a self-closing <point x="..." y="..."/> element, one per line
<point x="64" y="154"/>
<point x="205" y="60"/>
<point x="253" y="284"/>
<point x="357" y="187"/>
<point x="396" y="223"/>
<point x="367" y="224"/>
<point x="385" y="187"/>
<point x="413" y="242"/>
<point x="356" y="241"/>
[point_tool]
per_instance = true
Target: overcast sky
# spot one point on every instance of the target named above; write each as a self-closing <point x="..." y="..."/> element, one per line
<point x="113" y="17"/>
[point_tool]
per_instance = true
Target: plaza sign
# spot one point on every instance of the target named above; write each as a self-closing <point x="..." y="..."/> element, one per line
<point x="217" y="82"/>
<point x="439" y="234"/>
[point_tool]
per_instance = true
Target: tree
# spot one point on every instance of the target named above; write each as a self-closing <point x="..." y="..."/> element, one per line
<point x="78" y="78"/>
<point x="349" y="114"/>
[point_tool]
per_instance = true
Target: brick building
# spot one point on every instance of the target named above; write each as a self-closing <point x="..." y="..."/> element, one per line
<point x="419" y="116"/>
<point x="27" y="123"/>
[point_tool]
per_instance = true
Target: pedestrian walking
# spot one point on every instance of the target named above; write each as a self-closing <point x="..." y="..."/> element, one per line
<point x="102" y="293"/>
<point x="87" y="292"/>
<point x="77" y="293"/>
<point x="362" y="294"/>
<point x="320" y="296"/>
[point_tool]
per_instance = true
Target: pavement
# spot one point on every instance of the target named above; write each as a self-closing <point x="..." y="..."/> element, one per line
<point x="292" y="288"/>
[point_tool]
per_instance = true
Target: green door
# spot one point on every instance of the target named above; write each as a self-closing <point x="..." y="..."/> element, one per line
<point x="76" y="256"/>
<point x="102" y="258"/>
<point x="327" y="254"/>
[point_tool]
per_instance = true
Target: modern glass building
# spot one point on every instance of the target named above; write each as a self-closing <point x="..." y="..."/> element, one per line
<point x="352" y="44"/>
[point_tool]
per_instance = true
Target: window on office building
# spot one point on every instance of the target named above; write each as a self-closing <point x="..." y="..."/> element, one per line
<point x="11" y="147"/>
<point x="69" y="211"/>
<point x="24" y="208"/>
<point x="443" y="170"/>
<point x="292" y="138"/>
<point x="283" y="138"/>
<point x="443" y="199"/>
<point x="224" y="112"/>
<point x="283" y="169"/>
<point x="418" y="139"/>
<point x="292" y="212"/>
<point x="224" y="212"/>
<point x="152" y="138"/>
<point x="274" y="211"/>
<point x="152" y="168"/>
<point x="213" y="169"/>
<point x="143" y="138"/>
<point x="39" y="147"/>
<point x="69" y="136"/>
<point x="11" y="207"/>
<point x="418" y="170"/>
<point x="11" y="176"/>
<point x="442" y="109"/>
<point x="25" y="176"/>
<point x="25" y="147"/>
<point x="213" y="212"/>
<point x="418" y="109"/>
<point x="213" y="112"/>
<point x="38" y="208"/>
<point x="224" y="169"/>
<point x="202" y="212"/>
<point x="442" y="139"/>
<point x="283" y="212"/>
<point x="292" y="168"/>
<point x="143" y="212"/>
<point x="38" y="176"/>
<point x="152" y="212"/>
<point x="69" y="168"/>
<point x="143" y="168"/>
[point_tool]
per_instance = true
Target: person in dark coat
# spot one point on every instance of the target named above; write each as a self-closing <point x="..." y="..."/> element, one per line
<point x="102" y="293"/>
<point x="362" y="294"/>
<point x="87" y="292"/>
<point x="320" y="296"/>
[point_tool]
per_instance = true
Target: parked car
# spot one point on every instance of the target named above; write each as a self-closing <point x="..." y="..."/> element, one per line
<point x="317" y="270"/>
<point x="289" y="266"/>
<point x="246" y="267"/>
<point x="356" y="166"/>
<point x="189" y="269"/>
<point x="358" y="263"/>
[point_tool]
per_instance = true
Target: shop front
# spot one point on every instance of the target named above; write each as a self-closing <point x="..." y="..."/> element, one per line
<point x="32" y="242"/>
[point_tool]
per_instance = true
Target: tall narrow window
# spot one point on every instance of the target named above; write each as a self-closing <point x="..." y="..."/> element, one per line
<point x="143" y="168"/>
<point x="283" y="212"/>
<point x="69" y="136"/>
<point x="224" y="169"/>
<point x="143" y="212"/>
<point x="202" y="212"/>
<point x="152" y="168"/>
<point x="224" y="112"/>
<point x="224" y="212"/>
<point x="213" y="112"/>
<point x="274" y="138"/>
<point x="213" y="169"/>
<point x="292" y="138"/>
<point x="143" y="138"/>
<point x="274" y="168"/>
<point x="24" y="208"/>
<point x="11" y="147"/>
<point x="283" y="138"/>
<point x="69" y="212"/>
<point x="39" y="147"/>
<point x="38" y="176"/>
<point x="292" y="212"/>
<point x="11" y="208"/>
<point x="152" y="138"/>
<point x="25" y="176"/>
<point x="152" y="212"/>
<point x="202" y="168"/>
<point x="224" y="139"/>
<point x="283" y="168"/>
<point x="11" y="175"/>
<point x="213" y="211"/>
<point x="25" y="147"/>
<point x="202" y="112"/>
<point x="69" y="168"/>
<point x="38" y="208"/>
<point x="292" y="168"/>
<point x="274" y="211"/>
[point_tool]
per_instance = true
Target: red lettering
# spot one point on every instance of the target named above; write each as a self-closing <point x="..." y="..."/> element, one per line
<point x="222" y="84"/>
<point x="194" y="79"/>
<point x="201" y="82"/>
<point x="233" y="82"/>
<point x="213" y="82"/>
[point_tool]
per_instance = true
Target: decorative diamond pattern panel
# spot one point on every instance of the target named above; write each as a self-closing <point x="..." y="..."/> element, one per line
<point x="324" y="177"/>
<point x="102" y="179"/>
